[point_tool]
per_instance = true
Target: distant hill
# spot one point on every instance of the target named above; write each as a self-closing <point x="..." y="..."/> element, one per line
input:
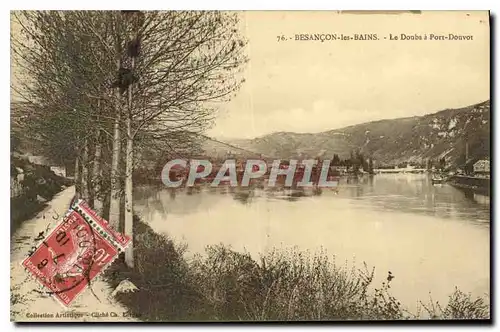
<point x="416" y="139"/>
<point x="217" y="149"/>
<point x="198" y="147"/>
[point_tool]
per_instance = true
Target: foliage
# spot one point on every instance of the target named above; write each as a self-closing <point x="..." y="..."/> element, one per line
<point x="74" y="70"/>
<point x="37" y="180"/>
<point x="225" y="285"/>
<point x="68" y="65"/>
<point x="459" y="306"/>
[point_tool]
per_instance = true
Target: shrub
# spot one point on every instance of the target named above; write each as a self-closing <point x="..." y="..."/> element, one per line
<point x="225" y="285"/>
<point x="460" y="306"/>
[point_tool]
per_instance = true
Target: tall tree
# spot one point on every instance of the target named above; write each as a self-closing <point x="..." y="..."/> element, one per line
<point x="335" y="160"/>
<point x="370" y="165"/>
<point x="76" y="78"/>
<point x="442" y="164"/>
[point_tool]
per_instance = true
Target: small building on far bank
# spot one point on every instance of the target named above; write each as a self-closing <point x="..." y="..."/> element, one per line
<point x="59" y="170"/>
<point x="340" y="169"/>
<point x="482" y="166"/>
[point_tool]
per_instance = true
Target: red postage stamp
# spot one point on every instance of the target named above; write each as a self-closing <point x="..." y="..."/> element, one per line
<point x="118" y="239"/>
<point x="72" y="255"/>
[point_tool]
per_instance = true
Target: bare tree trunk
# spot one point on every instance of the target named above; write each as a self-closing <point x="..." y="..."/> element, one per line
<point x="114" y="206"/>
<point x="85" y="170"/>
<point x="97" y="175"/>
<point x="129" y="167"/>
<point x="77" y="175"/>
<point x="129" y="211"/>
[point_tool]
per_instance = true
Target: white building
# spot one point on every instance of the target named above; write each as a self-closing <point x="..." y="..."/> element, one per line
<point x="482" y="166"/>
<point x="340" y="169"/>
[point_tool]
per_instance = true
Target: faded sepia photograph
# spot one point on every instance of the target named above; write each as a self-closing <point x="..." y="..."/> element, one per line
<point x="249" y="166"/>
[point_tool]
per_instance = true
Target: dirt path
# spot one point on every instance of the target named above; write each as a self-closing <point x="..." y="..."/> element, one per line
<point x="29" y="305"/>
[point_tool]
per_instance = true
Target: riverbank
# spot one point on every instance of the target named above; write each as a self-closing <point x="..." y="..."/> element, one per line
<point x="225" y="285"/>
<point x="479" y="184"/>
<point x="28" y="304"/>
<point x="31" y="187"/>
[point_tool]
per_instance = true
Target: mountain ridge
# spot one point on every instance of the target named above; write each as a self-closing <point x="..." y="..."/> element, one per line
<point x="441" y="134"/>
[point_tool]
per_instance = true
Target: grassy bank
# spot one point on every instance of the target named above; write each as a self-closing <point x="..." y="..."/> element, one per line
<point x="225" y="285"/>
<point x="38" y="182"/>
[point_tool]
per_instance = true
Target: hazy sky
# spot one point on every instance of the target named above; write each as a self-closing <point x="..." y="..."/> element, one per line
<point x="311" y="86"/>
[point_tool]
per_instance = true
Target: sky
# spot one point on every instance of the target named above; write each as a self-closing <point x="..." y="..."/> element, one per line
<point x="314" y="86"/>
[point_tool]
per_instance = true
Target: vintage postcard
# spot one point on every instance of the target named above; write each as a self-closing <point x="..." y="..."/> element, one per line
<point x="205" y="166"/>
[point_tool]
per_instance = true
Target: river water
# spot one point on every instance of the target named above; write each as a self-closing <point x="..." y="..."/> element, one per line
<point x="431" y="237"/>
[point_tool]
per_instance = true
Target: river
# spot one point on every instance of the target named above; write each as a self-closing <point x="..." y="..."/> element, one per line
<point x="431" y="237"/>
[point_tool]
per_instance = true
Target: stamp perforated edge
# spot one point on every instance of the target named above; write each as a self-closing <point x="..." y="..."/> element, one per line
<point x="81" y="206"/>
<point x="50" y="229"/>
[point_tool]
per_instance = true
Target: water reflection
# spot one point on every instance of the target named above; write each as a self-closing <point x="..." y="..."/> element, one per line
<point x="244" y="196"/>
<point x="475" y="197"/>
<point x="172" y="194"/>
<point x="431" y="237"/>
<point x="409" y="193"/>
<point x="415" y="193"/>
